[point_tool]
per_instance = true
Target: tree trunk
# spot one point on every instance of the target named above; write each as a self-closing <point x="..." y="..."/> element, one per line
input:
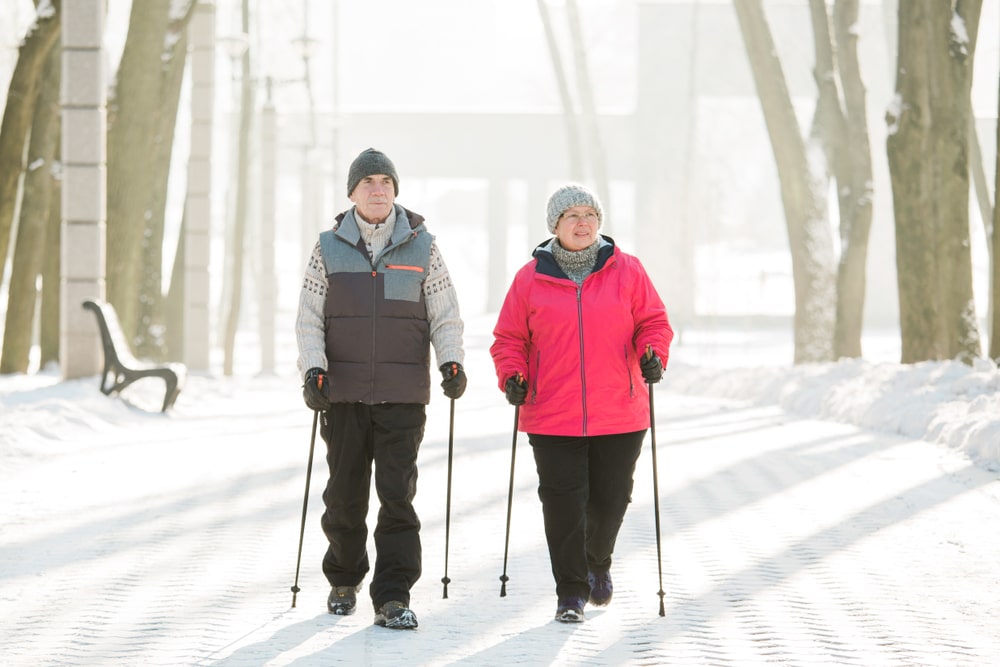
<point x="173" y="304"/>
<point x="240" y="222"/>
<point x="803" y="193"/>
<point x="854" y="187"/>
<point x="143" y="104"/>
<point x="928" y="163"/>
<point x="978" y="172"/>
<point x="150" y="337"/>
<point x="51" y="277"/>
<point x="132" y="114"/>
<point x="960" y="327"/>
<point x="18" y="114"/>
<point x="29" y="253"/>
<point x="573" y="147"/>
<point x="995" y="260"/>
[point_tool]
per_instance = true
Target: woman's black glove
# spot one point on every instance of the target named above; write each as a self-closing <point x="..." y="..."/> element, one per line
<point x="312" y="390"/>
<point x="516" y="390"/>
<point x="651" y="367"/>
<point x="454" y="379"/>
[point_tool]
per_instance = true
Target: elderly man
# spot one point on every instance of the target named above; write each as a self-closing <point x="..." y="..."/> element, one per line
<point x="376" y="296"/>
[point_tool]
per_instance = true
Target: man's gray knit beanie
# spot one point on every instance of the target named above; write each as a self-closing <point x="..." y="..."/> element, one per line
<point x="568" y="196"/>
<point x="369" y="163"/>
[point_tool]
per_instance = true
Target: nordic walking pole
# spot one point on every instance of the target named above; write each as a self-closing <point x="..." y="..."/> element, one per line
<point x="656" y="486"/>
<point x="305" y="503"/>
<point x="510" y="499"/>
<point x="447" y="512"/>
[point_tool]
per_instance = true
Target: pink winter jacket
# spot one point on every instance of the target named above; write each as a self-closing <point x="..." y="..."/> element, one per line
<point x="579" y="347"/>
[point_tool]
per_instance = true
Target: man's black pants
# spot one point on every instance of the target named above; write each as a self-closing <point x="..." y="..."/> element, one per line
<point x="357" y="435"/>
<point x="585" y="485"/>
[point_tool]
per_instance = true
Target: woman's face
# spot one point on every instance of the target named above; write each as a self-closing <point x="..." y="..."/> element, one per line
<point x="577" y="227"/>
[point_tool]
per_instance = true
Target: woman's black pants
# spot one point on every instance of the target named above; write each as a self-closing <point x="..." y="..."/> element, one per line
<point x="585" y="485"/>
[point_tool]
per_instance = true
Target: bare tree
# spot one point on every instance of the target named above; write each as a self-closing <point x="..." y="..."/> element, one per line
<point x="994" y="239"/>
<point x="240" y="222"/>
<point x="928" y="148"/>
<point x="48" y="336"/>
<point x="29" y="252"/>
<point x="18" y="114"/>
<point x="573" y="146"/>
<point x="803" y="190"/>
<point x="150" y="339"/>
<point x="981" y="189"/>
<point x="144" y="102"/>
<point x="173" y="303"/>
<point x="587" y="158"/>
<point x="595" y="146"/>
<point x="853" y="171"/>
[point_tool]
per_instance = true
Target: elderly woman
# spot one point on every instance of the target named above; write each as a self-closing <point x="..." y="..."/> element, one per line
<point x="581" y="332"/>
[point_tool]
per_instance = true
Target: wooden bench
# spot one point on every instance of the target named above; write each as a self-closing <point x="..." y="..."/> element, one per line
<point x="121" y="368"/>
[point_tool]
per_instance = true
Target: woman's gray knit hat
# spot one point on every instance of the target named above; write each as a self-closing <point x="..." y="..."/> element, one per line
<point x="369" y="163"/>
<point x="568" y="196"/>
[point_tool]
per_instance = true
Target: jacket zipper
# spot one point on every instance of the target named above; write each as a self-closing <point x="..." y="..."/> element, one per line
<point x="628" y="374"/>
<point x="371" y="366"/>
<point x="405" y="267"/>
<point x="583" y="373"/>
<point x="534" y="380"/>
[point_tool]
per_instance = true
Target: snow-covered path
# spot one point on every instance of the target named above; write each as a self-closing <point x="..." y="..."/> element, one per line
<point x="133" y="538"/>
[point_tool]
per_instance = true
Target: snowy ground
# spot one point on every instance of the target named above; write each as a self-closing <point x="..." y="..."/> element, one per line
<point x="833" y="514"/>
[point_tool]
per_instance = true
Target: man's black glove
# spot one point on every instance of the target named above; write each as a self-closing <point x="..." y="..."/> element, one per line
<point x="454" y="379"/>
<point x="516" y="389"/>
<point x="651" y="367"/>
<point x="313" y="390"/>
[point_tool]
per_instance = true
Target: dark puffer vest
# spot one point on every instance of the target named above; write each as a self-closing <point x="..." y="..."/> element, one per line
<point x="377" y="333"/>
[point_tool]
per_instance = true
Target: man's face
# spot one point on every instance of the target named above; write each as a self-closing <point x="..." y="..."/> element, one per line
<point x="374" y="196"/>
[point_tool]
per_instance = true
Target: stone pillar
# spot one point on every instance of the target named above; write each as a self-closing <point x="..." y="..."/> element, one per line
<point x="536" y="203"/>
<point x="83" y="96"/>
<point x="312" y="224"/>
<point x="198" y="206"/>
<point x="498" y="221"/>
<point x="267" y="282"/>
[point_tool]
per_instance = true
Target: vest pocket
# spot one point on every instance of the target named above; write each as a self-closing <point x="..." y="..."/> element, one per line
<point x="403" y="282"/>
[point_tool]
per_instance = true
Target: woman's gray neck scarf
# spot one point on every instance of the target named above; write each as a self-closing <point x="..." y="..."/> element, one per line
<point x="577" y="264"/>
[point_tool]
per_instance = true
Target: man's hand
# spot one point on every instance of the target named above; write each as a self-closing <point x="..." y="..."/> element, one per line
<point x="516" y="389"/>
<point x="313" y="390"/>
<point x="454" y="379"/>
<point x="651" y="366"/>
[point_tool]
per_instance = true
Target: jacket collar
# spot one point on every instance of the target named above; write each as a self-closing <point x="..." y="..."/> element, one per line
<point x="407" y="224"/>
<point x="546" y="262"/>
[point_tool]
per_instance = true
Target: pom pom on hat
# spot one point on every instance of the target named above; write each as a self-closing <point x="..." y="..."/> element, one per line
<point x="368" y="163"/>
<point x="568" y="196"/>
